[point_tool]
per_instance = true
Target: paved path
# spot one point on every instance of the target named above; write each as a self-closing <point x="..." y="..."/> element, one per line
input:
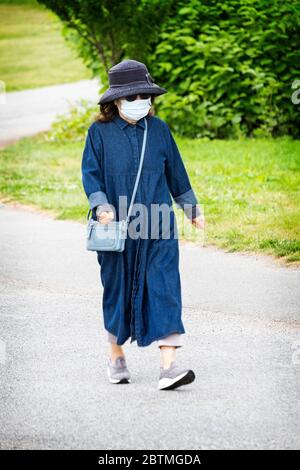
<point x="30" y="111"/>
<point x="242" y="319"/>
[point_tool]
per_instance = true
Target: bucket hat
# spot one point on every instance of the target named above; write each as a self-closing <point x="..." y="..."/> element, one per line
<point x="129" y="77"/>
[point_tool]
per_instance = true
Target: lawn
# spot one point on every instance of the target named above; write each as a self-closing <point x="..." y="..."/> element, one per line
<point x="248" y="189"/>
<point x="33" y="52"/>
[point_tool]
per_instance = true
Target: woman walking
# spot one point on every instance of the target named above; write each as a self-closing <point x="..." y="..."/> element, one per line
<point x="141" y="285"/>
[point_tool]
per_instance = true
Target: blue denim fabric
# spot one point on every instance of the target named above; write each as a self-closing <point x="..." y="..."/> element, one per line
<point x="141" y="285"/>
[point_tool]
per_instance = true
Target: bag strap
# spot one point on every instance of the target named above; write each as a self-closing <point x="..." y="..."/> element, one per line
<point x="138" y="174"/>
<point x="139" y="171"/>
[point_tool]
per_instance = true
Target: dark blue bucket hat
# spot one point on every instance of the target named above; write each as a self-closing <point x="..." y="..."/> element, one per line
<point x="127" y="78"/>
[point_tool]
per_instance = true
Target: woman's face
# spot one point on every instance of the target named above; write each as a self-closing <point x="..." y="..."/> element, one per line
<point x="130" y="99"/>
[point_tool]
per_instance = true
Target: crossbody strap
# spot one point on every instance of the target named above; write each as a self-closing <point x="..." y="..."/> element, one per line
<point x="138" y="174"/>
<point x="139" y="171"/>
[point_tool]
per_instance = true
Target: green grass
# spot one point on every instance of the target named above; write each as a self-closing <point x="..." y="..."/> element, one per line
<point x="33" y="52"/>
<point x="248" y="189"/>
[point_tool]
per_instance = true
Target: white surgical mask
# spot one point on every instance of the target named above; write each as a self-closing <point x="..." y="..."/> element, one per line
<point x="136" y="109"/>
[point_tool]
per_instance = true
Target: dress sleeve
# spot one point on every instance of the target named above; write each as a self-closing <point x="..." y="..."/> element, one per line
<point x="92" y="174"/>
<point x="178" y="180"/>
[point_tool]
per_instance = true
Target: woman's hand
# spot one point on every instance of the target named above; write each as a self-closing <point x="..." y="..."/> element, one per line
<point x="105" y="217"/>
<point x="199" y="222"/>
<point x="104" y="214"/>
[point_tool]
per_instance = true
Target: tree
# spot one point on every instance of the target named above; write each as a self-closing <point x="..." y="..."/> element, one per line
<point x="106" y="31"/>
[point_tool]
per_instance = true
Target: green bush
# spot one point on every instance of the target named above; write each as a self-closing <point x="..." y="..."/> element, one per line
<point x="72" y="126"/>
<point x="229" y="68"/>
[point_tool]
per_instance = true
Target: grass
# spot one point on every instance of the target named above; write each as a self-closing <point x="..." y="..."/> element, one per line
<point x="33" y="52"/>
<point x="248" y="189"/>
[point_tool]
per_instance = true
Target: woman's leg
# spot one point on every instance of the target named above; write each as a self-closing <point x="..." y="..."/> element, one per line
<point x="168" y="354"/>
<point x="168" y="348"/>
<point x="114" y="349"/>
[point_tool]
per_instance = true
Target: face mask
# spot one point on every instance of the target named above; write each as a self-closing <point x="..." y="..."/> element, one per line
<point x="136" y="109"/>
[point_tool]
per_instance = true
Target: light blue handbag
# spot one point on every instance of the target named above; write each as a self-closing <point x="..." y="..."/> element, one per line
<point x="112" y="236"/>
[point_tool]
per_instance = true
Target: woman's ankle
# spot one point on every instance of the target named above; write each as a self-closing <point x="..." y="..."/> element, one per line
<point x="168" y="354"/>
<point x="115" y="351"/>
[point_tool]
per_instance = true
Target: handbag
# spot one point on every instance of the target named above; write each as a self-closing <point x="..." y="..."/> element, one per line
<point x="112" y="236"/>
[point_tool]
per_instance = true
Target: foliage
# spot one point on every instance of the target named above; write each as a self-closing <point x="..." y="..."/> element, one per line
<point x="72" y="126"/>
<point x="229" y="68"/>
<point x="105" y="31"/>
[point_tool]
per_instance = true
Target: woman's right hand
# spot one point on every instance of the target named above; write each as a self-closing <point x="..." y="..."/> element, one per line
<point x="105" y="217"/>
<point x="104" y="214"/>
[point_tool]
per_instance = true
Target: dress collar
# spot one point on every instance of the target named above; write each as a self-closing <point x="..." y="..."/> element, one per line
<point x="122" y="123"/>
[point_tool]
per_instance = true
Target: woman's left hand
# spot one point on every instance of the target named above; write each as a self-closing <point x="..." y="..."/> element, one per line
<point x="199" y="222"/>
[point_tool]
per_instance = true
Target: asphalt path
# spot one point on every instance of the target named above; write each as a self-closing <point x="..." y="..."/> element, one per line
<point x="24" y="113"/>
<point x="241" y="314"/>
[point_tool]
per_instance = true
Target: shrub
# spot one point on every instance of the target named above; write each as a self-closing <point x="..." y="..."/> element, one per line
<point x="229" y="68"/>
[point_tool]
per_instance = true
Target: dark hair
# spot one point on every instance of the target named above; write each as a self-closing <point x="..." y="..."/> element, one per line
<point x="109" y="110"/>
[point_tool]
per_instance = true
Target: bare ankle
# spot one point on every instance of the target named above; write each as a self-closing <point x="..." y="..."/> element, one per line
<point x="115" y="352"/>
<point x="168" y="354"/>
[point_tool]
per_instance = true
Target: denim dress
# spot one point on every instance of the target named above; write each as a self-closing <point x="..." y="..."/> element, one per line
<point x="141" y="285"/>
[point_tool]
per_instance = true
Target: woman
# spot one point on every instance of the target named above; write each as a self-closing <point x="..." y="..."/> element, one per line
<point x="141" y="285"/>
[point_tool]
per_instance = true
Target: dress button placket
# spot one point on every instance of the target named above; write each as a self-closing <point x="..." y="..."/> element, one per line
<point x="134" y="323"/>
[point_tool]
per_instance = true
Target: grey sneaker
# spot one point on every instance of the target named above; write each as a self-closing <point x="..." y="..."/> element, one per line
<point x="117" y="371"/>
<point x="174" y="377"/>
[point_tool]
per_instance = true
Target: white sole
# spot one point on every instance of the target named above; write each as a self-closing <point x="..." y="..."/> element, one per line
<point x="115" y="381"/>
<point x="165" y="383"/>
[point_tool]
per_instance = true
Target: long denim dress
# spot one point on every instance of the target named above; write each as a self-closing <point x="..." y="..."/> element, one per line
<point x="141" y="285"/>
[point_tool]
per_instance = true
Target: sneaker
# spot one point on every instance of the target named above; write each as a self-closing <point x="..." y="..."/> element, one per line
<point x="117" y="371"/>
<point x="174" y="377"/>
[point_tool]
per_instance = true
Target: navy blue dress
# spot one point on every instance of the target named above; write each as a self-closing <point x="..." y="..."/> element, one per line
<point x="141" y="285"/>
